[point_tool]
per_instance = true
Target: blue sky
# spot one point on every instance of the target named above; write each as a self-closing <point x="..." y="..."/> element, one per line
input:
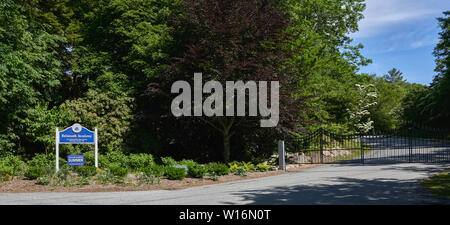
<point x="401" y="34"/>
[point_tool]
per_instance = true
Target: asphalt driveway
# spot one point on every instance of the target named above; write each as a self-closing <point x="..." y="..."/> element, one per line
<point x="347" y="184"/>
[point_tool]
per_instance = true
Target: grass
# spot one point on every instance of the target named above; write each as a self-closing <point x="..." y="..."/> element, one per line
<point x="354" y="155"/>
<point x="439" y="184"/>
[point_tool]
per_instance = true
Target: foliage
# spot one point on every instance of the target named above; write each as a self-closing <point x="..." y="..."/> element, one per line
<point x="154" y="170"/>
<point x="359" y="113"/>
<point x="168" y="161"/>
<point x="6" y="172"/>
<point x="41" y="122"/>
<point x="117" y="158"/>
<point x="12" y="166"/>
<point x="30" y="70"/>
<point x="218" y="169"/>
<point x="261" y="167"/>
<point x="241" y="171"/>
<point x="194" y="169"/>
<point x="139" y="161"/>
<point x="394" y="76"/>
<point x="118" y="171"/>
<point x="110" y="114"/>
<point x="33" y="172"/>
<point x="86" y="171"/>
<point x="439" y="184"/>
<point x="43" y="180"/>
<point x="174" y="173"/>
<point x="435" y="104"/>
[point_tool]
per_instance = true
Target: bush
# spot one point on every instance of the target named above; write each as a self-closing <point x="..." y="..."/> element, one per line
<point x="117" y="158"/>
<point x="174" y="173"/>
<point x="151" y="173"/>
<point x="43" y="180"/>
<point x="89" y="160"/>
<point x="262" y="168"/>
<point x="249" y="167"/>
<point x="34" y="172"/>
<point x="118" y="171"/>
<point x="168" y="161"/>
<point x="12" y="163"/>
<point x="218" y="168"/>
<point x="6" y="172"/>
<point x="139" y="161"/>
<point x="86" y="171"/>
<point x="197" y="171"/>
<point x="46" y="162"/>
<point x="234" y="166"/>
<point x="42" y="161"/>
<point x="155" y="170"/>
<point x="241" y="171"/>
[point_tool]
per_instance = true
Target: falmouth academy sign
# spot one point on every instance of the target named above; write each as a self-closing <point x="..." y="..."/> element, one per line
<point x="76" y="134"/>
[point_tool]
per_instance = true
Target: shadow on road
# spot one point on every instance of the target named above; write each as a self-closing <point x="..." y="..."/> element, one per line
<point x="344" y="191"/>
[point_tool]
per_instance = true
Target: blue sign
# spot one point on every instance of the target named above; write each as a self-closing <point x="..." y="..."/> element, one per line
<point x="76" y="134"/>
<point x="75" y="160"/>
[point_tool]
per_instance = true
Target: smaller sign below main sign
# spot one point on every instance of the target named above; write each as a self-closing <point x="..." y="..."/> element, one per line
<point x="75" y="160"/>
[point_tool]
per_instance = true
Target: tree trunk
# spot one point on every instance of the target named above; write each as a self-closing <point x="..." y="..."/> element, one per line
<point x="226" y="146"/>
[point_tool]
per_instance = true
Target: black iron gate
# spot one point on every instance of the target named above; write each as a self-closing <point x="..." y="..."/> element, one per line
<point x="409" y="144"/>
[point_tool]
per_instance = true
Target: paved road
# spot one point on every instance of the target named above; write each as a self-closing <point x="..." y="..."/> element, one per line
<point x="391" y="149"/>
<point x="331" y="184"/>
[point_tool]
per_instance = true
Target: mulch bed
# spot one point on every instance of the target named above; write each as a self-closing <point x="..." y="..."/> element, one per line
<point x="24" y="186"/>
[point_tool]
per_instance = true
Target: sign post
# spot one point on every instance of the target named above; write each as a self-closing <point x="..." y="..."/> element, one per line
<point x="76" y="134"/>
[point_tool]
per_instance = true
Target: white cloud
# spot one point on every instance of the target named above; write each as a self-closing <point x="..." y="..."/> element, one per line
<point x="383" y="15"/>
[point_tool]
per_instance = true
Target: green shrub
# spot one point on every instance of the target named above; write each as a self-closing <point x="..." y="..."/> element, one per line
<point x="262" y="168"/>
<point x="106" y="177"/>
<point x="168" y="161"/>
<point x="64" y="177"/>
<point x="89" y="160"/>
<point x="34" y="172"/>
<point x="46" y="162"/>
<point x="42" y="161"/>
<point x="154" y="170"/>
<point x="139" y="161"/>
<point x="6" y="172"/>
<point x="218" y="168"/>
<point x="174" y="173"/>
<point x="233" y="166"/>
<point x="118" y="171"/>
<point x="241" y="171"/>
<point x="117" y="158"/>
<point x="43" y="180"/>
<point x="250" y="167"/>
<point x="13" y="163"/>
<point x="86" y="171"/>
<point x="194" y="169"/>
<point x="197" y="171"/>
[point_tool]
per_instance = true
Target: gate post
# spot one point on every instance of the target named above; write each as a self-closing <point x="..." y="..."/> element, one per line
<point x="321" y="145"/>
<point x="281" y="155"/>
<point x="362" y="149"/>
<point x="409" y="143"/>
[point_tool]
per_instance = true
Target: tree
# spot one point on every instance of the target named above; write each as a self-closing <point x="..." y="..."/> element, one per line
<point x="327" y="59"/>
<point x="359" y="113"/>
<point x="435" y="105"/>
<point x="231" y="41"/>
<point x="111" y="114"/>
<point x="30" y="70"/>
<point x="394" y="76"/>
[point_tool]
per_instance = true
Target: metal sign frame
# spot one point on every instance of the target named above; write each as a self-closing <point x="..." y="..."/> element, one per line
<point x="81" y="133"/>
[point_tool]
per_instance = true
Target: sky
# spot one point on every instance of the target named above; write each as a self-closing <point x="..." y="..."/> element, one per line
<point x="401" y="34"/>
